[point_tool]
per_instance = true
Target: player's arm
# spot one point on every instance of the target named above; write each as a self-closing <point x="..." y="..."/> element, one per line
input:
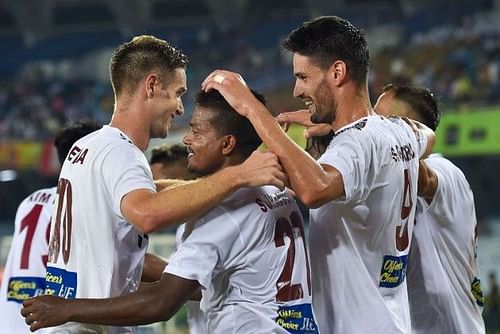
<point x="153" y="302"/>
<point x="303" y="118"/>
<point x="153" y="268"/>
<point x="148" y="210"/>
<point x="312" y="183"/>
<point x="427" y="181"/>
<point x="164" y="184"/>
<point x="422" y="132"/>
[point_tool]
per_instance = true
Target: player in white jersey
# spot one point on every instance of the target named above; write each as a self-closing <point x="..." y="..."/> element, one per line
<point x="169" y="162"/>
<point x="443" y="277"/>
<point x="107" y="201"/>
<point x="196" y="319"/>
<point x="24" y="274"/>
<point x="363" y="188"/>
<point x="248" y="254"/>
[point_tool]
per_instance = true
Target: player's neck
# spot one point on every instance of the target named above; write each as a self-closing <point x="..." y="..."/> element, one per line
<point x="352" y="106"/>
<point x="233" y="160"/>
<point x="132" y="125"/>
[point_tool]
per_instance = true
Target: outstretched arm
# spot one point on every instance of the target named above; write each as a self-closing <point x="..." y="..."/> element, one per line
<point x="312" y="183"/>
<point x="151" y="303"/>
<point x="149" y="211"/>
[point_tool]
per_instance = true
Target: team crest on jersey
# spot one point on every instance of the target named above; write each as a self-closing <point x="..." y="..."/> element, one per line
<point x="21" y="288"/>
<point x="297" y="319"/>
<point x="60" y="282"/>
<point x="477" y="292"/>
<point x="393" y="271"/>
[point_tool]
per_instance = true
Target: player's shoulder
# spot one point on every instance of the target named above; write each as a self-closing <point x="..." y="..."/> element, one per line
<point x="353" y="129"/>
<point x="256" y="192"/>
<point x="370" y="128"/>
<point x="41" y="195"/>
<point x="437" y="161"/>
<point x="255" y="199"/>
<point x="446" y="169"/>
<point x="106" y="136"/>
<point x="110" y="143"/>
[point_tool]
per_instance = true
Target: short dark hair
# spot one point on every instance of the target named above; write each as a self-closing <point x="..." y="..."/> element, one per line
<point x="327" y="39"/>
<point x="133" y="60"/>
<point x="166" y="154"/>
<point x="228" y="122"/>
<point x="69" y="134"/>
<point x="421" y="100"/>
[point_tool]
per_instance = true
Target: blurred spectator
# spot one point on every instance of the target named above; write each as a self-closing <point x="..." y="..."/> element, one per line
<point x="492" y="308"/>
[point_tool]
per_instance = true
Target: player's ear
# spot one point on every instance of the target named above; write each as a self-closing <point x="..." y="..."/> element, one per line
<point x="228" y="144"/>
<point x="338" y="72"/>
<point x="150" y="85"/>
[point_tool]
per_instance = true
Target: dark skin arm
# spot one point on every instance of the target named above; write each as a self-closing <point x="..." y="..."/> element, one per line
<point x="153" y="302"/>
<point x="153" y="268"/>
<point x="427" y="181"/>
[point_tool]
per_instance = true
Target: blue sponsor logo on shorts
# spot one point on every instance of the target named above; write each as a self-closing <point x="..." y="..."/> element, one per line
<point x="297" y="319"/>
<point x="21" y="288"/>
<point x="393" y="271"/>
<point x="60" y="282"/>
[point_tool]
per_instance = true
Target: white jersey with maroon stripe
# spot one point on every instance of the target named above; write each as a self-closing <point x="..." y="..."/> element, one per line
<point x="24" y="273"/>
<point x="443" y="279"/>
<point x="93" y="251"/>
<point x="249" y="256"/>
<point x="360" y="242"/>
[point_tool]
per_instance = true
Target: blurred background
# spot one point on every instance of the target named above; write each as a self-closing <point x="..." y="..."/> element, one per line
<point x="54" y="58"/>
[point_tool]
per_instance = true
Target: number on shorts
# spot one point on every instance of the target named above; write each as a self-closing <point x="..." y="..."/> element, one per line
<point x="63" y="216"/>
<point x="402" y="240"/>
<point x="286" y="290"/>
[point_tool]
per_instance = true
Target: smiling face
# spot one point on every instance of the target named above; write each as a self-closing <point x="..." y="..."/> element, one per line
<point x="314" y="89"/>
<point x="167" y="102"/>
<point x="204" y="143"/>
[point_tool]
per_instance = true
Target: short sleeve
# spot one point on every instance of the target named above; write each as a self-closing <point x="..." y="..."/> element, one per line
<point x="346" y="154"/>
<point x="125" y="169"/>
<point x="204" y="253"/>
<point x="453" y="197"/>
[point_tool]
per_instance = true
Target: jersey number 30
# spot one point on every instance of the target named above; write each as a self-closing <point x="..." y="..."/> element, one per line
<point x="62" y="234"/>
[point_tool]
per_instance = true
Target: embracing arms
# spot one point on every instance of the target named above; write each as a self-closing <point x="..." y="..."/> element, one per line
<point x="148" y="210"/>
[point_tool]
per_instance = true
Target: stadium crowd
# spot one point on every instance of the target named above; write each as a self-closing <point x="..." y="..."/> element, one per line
<point x="459" y="62"/>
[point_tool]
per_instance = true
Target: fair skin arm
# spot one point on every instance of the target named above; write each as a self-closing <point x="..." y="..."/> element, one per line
<point x="164" y="184"/>
<point x="148" y="210"/>
<point x="153" y="302"/>
<point x="303" y="118"/>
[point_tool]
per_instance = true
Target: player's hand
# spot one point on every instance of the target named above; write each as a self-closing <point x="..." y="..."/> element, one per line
<point x="234" y="89"/>
<point x="262" y="168"/>
<point x="45" y="311"/>
<point x="303" y="117"/>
